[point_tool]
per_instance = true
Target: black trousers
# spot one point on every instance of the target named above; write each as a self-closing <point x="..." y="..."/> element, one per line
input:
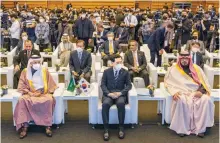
<point x="14" y="42"/>
<point x="43" y="46"/>
<point x="106" y="58"/>
<point x="107" y="103"/>
<point x="16" y="79"/>
<point x="152" y="59"/>
<point x="142" y="74"/>
<point x="86" y="40"/>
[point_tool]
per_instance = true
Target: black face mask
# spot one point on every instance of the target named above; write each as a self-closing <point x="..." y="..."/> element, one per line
<point x="164" y="18"/>
<point x="184" y="16"/>
<point x="195" y="37"/>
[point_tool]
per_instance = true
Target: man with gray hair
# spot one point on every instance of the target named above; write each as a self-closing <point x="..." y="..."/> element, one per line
<point x="109" y="48"/>
<point x="136" y="62"/>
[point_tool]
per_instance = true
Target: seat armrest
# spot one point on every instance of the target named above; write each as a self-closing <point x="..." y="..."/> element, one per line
<point x="93" y="104"/>
<point x="10" y="56"/>
<point x="54" y="57"/>
<point x="133" y="102"/>
<point x="97" y="69"/>
<point x="152" y="73"/>
<point x="168" y="103"/>
<point x="59" y="90"/>
<point x="209" y="74"/>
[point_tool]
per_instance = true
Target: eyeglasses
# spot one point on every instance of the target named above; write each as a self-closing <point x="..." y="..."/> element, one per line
<point x="28" y="46"/>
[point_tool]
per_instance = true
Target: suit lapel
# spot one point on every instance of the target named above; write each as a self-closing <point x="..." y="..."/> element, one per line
<point x="131" y="58"/>
<point x="139" y="57"/>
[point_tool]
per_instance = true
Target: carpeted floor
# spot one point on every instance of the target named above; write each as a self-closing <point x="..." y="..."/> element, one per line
<point x="81" y="132"/>
<point x="77" y="130"/>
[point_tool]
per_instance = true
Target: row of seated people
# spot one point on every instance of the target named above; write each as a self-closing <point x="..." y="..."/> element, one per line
<point x="133" y="57"/>
<point x="80" y="60"/>
<point x="185" y="81"/>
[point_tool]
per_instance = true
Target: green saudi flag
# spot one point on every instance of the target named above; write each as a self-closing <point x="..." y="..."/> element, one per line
<point x="71" y="85"/>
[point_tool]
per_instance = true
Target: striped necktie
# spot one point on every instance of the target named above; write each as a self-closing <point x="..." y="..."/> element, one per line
<point x="116" y="75"/>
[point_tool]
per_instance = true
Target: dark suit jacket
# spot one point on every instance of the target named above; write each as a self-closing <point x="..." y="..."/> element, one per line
<point x="187" y="28"/>
<point x="124" y="35"/>
<point x="129" y="60"/>
<point x="109" y="84"/>
<point x="114" y="29"/>
<point x="105" y="47"/>
<point x="156" y="40"/>
<point x="86" y="62"/>
<point x="199" y="59"/>
<point x="23" y="59"/>
<point x="104" y="36"/>
<point x="83" y="28"/>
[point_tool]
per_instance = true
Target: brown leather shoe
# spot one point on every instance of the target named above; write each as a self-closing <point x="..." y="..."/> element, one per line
<point x="23" y="132"/>
<point x="48" y="131"/>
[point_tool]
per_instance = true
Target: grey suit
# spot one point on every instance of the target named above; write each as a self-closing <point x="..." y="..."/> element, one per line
<point x="202" y="46"/>
<point x="129" y="63"/>
<point x="123" y="35"/>
<point x="81" y="66"/>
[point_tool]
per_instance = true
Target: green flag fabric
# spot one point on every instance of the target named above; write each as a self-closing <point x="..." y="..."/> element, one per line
<point x="71" y="86"/>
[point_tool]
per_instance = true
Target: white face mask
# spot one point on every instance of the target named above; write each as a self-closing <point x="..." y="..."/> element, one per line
<point x="24" y="38"/>
<point x="79" y="49"/>
<point x="118" y="67"/>
<point x="110" y="38"/>
<point x="36" y="66"/>
<point x="195" y="50"/>
<point x="41" y="20"/>
<point x="83" y="15"/>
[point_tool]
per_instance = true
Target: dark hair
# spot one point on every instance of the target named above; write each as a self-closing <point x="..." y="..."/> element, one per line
<point x="14" y="15"/>
<point x="196" y="31"/>
<point x="80" y="41"/>
<point x="170" y="25"/>
<point x="196" y="43"/>
<point x="113" y="57"/>
<point x="112" y="21"/>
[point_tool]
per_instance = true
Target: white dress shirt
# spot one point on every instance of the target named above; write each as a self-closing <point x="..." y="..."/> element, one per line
<point x="131" y="20"/>
<point x="15" y="30"/>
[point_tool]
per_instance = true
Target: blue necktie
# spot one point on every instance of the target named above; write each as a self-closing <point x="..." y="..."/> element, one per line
<point x="80" y="56"/>
<point x="116" y="75"/>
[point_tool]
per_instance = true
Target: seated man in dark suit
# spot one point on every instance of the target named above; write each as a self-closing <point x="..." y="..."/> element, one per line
<point x="101" y="36"/>
<point x="122" y="34"/>
<point x="21" y="61"/>
<point x="109" y="48"/>
<point x="115" y="85"/>
<point x="80" y="62"/>
<point x="197" y="57"/>
<point x="136" y="62"/>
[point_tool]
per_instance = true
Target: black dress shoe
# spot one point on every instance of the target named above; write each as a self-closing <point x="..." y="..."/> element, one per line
<point x="201" y="135"/>
<point x="181" y="135"/>
<point x="121" y="134"/>
<point x="106" y="135"/>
